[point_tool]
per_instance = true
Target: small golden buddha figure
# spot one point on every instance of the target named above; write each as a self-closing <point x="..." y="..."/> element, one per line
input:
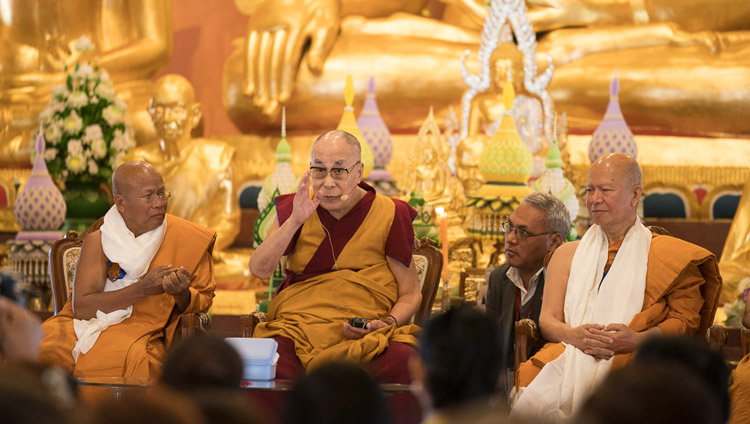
<point x="468" y="152"/>
<point x="428" y="171"/>
<point x="197" y="171"/>
<point x="132" y="41"/>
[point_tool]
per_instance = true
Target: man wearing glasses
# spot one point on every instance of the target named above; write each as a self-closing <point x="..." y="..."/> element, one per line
<point x="347" y="255"/>
<point x="533" y="231"/>
<point x="608" y="292"/>
<point x="135" y="276"/>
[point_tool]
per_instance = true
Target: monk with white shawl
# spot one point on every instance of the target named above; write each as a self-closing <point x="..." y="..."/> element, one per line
<point x="607" y="293"/>
<point x="135" y="276"/>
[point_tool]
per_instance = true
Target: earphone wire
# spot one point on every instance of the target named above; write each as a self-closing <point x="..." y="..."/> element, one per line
<point x="338" y="272"/>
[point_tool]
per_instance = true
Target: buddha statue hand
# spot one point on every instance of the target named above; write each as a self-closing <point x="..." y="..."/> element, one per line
<point x="278" y="32"/>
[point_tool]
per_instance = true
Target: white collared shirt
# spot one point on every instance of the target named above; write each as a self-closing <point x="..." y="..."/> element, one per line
<point x="514" y="275"/>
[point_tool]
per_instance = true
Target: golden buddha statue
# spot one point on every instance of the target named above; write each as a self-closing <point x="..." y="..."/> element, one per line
<point x="132" y="40"/>
<point x="428" y="172"/>
<point x="646" y="40"/>
<point x="198" y="171"/>
<point x="735" y="257"/>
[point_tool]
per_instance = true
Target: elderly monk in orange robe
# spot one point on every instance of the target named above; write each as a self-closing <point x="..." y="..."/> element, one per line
<point x="134" y="278"/>
<point x="610" y="291"/>
<point x="348" y="254"/>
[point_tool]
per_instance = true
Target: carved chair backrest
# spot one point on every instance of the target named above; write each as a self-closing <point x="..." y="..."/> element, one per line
<point x="63" y="257"/>
<point x="429" y="262"/>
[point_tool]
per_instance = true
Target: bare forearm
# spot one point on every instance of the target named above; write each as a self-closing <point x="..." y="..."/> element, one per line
<point x="553" y="329"/>
<point x="86" y="306"/>
<point x="265" y="258"/>
<point x="406" y="306"/>
<point x="182" y="300"/>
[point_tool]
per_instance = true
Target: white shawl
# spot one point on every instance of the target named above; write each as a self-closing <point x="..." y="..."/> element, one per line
<point x="565" y="383"/>
<point x="134" y="256"/>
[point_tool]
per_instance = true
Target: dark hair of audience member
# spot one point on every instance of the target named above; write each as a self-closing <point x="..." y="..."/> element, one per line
<point x="336" y="393"/>
<point x="460" y="351"/>
<point x="35" y="393"/>
<point x="695" y="357"/>
<point x="224" y="406"/>
<point x="202" y="361"/>
<point x="157" y="406"/>
<point x="651" y="393"/>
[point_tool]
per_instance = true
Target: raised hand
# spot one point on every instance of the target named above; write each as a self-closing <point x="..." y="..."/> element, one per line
<point x="304" y="207"/>
<point x="278" y="31"/>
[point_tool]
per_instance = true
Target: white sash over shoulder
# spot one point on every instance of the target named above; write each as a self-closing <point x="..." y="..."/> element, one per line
<point x="565" y="383"/>
<point x="134" y="255"/>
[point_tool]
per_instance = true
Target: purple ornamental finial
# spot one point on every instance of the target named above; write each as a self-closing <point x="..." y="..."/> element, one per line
<point x="40" y="144"/>
<point x="371" y="86"/>
<point x="614" y="86"/>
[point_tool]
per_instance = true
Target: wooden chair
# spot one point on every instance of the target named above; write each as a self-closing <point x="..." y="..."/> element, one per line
<point x="429" y="264"/>
<point x="63" y="257"/>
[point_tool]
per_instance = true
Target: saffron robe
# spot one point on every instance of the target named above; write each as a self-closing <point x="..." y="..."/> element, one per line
<point x="682" y="292"/>
<point x="137" y="346"/>
<point x="330" y="280"/>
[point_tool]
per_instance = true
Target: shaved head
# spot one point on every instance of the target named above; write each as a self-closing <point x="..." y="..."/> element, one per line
<point x="338" y="135"/>
<point x="127" y="172"/>
<point x="622" y="167"/>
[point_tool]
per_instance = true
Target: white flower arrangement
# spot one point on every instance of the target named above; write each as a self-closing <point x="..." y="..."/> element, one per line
<point x="84" y="125"/>
<point x="736" y="310"/>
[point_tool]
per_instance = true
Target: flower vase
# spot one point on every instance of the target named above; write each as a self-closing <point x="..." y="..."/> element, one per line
<point x="86" y="202"/>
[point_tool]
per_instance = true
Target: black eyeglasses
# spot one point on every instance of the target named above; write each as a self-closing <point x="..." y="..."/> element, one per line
<point x="320" y="173"/>
<point x="521" y="235"/>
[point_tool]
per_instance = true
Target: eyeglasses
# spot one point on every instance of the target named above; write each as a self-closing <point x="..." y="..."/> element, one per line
<point x="521" y="235"/>
<point x="320" y="173"/>
<point x="150" y="199"/>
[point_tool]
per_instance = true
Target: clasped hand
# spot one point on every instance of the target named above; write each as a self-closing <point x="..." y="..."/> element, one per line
<point x="354" y="333"/>
<point x="165" y="279"/>
<point x="603" y="342"/>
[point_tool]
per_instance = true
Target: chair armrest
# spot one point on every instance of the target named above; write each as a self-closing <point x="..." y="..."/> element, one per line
<point x="192" y="322"/>
<point x="249" y="322"/>
<point x="717" y="337"/>
<point x="526" y="332"/>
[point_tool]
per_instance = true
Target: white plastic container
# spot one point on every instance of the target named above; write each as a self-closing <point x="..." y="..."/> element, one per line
<point x="259" y="357"/>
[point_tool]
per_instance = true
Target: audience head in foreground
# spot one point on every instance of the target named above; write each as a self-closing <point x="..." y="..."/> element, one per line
<point x="459" y="359"/>
<point x="203" y="361"/>
<point x="336" y="393"/>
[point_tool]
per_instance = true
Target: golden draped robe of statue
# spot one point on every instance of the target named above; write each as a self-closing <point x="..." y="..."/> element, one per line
<point x="667" y="60"/>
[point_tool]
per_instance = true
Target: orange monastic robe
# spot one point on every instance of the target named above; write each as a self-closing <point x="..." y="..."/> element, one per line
<point x="137" y="346"/>
<point x="311" y="312"/>
<point x="680" y="275"/>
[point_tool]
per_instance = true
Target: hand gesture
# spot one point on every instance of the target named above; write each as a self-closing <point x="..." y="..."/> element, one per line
<point x="590" y="339"/>
<point x="354" y="333"/>
<point x="152" y="282"/>
<point x="304" y="207"/>
<point x="176" y="282"/>
<point x="624" y="339"/>
<point x="20" y="332"/>
<point x="278" y="31"/>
